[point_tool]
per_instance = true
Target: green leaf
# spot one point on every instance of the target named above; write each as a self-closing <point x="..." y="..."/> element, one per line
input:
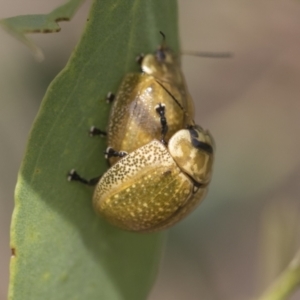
<point x="20" y="25"/>
<point x="61" y="248"/>
<point x="287" y="283"/>
<point x="279" y="243"/>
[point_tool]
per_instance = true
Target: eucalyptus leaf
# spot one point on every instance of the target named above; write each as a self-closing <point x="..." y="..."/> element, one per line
<point x="61" y="248"/>
<point x="19" y="26"/>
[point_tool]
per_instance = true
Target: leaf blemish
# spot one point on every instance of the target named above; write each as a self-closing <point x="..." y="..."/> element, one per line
<point x="62" y="19"/>
<point x="49" y="31"/>
<point x="13" y="252"/>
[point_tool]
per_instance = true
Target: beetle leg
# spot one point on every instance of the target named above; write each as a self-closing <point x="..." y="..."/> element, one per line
<point x="110" y="152"/>
<point x="74" y="176"/>
<point x="110" y="97"/>
<point x="140" y="58"/>
<point x="160" y="109"/>
<point x="95" y="131"/>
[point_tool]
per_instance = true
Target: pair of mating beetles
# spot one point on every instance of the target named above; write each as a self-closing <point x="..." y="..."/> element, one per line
<point x="161" y="161"/>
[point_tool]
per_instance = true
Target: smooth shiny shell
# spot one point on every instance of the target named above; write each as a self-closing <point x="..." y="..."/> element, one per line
<point x="134" y="121"/>
<point x="146" y="191"/>
<point x="166" y="70"/>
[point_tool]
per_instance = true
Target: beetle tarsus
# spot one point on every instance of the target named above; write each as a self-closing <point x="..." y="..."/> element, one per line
<point x="110" y="97"/>
<point x="74" y="176"/>
<point x="160" y="109"/>
<point x="163" y="142"/>
<point x="96" y="131"/>
<point x="140" y="58"/>
<point x="110" y="152"/>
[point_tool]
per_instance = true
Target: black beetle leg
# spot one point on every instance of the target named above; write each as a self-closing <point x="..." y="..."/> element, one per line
<point x="110" y="97"/>
<point x="95" y="131"/>
<point x="110" y="152"/>
<point x="160" y="109"/>
<point x="74" y="176"/>
<point x="140" y="58"/>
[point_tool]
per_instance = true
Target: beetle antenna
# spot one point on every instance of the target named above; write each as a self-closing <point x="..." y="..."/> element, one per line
<point x="208" y="54"/>
<point x="163" y="43"/>
<point x="163" y="36"/>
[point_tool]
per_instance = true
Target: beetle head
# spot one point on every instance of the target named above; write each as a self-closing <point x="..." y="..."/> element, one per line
<point x="163" y="64"/>
<point x="193" y="150"/>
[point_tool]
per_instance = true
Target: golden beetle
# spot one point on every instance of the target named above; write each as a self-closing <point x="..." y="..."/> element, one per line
<point x="135" y="117"/>
<point x="164" y="161"/>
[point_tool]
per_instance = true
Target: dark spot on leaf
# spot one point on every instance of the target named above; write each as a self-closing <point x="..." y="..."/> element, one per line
<point x="13" y="252"/>
<point x="62" y="19"/>
<point x="44" y="30"/>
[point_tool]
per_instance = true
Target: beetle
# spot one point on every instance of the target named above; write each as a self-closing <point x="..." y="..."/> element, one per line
<point x="157" y="185"/>
<point x="163" y="162"/>
<point x="134" y="118"/>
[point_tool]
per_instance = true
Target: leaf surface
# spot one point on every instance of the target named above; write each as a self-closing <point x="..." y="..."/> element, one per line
<point x="19" y="26"/>
<point x="61" y="248"/>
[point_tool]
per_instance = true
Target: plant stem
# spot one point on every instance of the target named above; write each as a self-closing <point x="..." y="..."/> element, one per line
<point x="286" y="283"/>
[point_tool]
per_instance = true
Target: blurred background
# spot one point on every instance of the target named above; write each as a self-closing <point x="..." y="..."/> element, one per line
<point x="248" y="228"/>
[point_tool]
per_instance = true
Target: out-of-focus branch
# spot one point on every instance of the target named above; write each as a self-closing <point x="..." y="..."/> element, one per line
<point x="286" y="283"/>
